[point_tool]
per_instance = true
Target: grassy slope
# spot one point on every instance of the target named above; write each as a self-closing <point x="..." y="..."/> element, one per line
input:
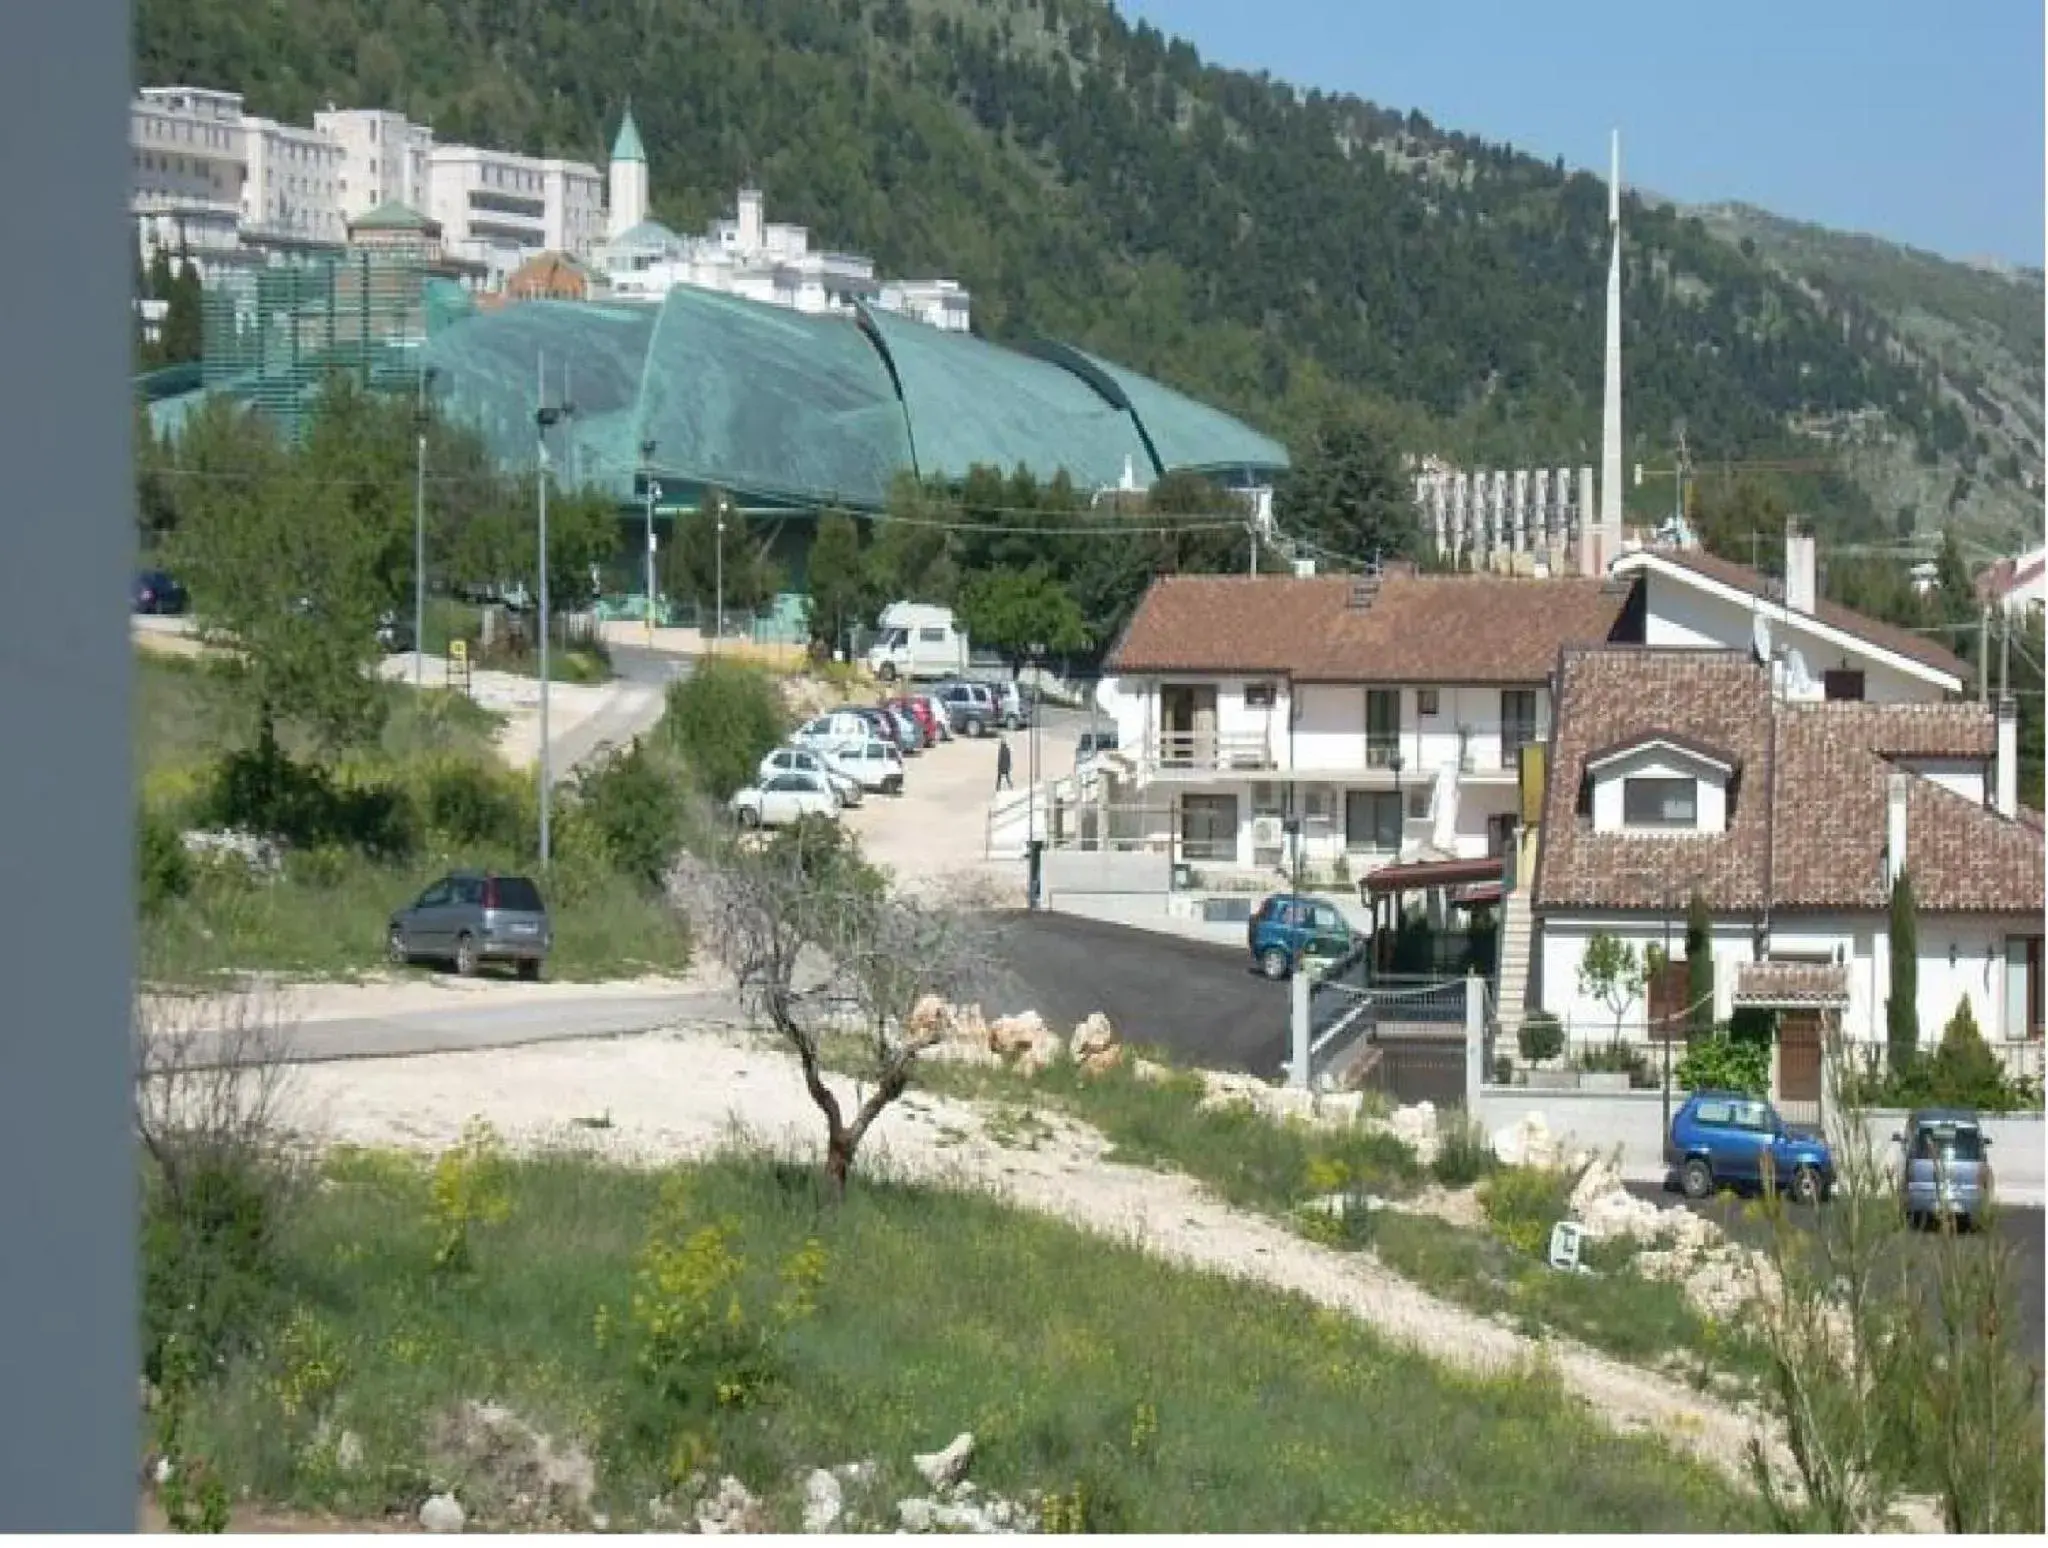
<point x="330" y="922"/>
<point x="940" y="1312"/>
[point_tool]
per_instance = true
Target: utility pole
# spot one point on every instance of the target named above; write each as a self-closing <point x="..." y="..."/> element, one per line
<point x="653" y="492"/>
<point x="719" y="563"/>
<point x="2004" y="658"/>
<point x="419" y="540"/>
<point x="544" y="419"/>
<point x="1983" y="652"/>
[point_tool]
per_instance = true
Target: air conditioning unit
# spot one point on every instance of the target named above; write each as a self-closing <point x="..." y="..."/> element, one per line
<point x="1267" y="832"/>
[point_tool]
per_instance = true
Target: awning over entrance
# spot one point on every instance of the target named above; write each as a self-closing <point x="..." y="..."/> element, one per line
<point x="1791" y="986"/>
<point x="1424" y="875"/>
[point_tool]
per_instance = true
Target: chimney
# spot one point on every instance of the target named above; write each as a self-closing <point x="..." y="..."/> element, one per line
<point x="2008" y="770"/>
<point x="1895" y="827"/>
<point x="1799" y="570"/>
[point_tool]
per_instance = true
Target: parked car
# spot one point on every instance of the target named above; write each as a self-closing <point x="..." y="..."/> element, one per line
<point x="919" y="709"/>
<point x="970" y="707"/>
<point x="1726" y="1137"/>
<point x="835" y="732"/>
<point x="394" y="633"/>
<point x="1947" y="1166"/>
<point x="1091" y="745"/>
<point x="877" y="765"/>
<point x="157" y="591"/>
<point x="1286" y="927"/>
<point x="1012" y="708"/>
<point x="809" y="760"/>
<point x="935" y="712"/>
<point x="879" y="723"/>
<point x="468" y="918"/>
<point x="909" y="734"/>
<point x="784" y="801"/>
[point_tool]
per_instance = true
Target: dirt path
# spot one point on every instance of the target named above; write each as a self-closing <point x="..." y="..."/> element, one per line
<point x="685" y="1094"/>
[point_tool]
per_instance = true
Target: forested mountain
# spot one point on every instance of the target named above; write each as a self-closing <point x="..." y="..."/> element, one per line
<point x="1279" y="252"/>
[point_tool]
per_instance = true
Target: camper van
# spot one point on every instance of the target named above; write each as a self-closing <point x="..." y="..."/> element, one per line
<point x="918" y="640"/>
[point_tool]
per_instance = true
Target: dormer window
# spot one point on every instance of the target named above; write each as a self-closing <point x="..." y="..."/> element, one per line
<point x="1660" y="802"/>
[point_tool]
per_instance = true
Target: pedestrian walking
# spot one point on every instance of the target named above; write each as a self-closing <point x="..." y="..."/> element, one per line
<point x="1003" y="763"/>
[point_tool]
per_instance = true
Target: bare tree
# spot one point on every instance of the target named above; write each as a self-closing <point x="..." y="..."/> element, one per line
<point x="819" y="946"/>
<point x="211" y="1075"/>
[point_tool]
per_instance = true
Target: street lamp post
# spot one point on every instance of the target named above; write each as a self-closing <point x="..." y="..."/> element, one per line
<point x="419" y="536"/>
<point x="545" y="418"/>
<point x="653" y="494"/>
<point x="718" y="513"/>
<point x="1034" y="844"/>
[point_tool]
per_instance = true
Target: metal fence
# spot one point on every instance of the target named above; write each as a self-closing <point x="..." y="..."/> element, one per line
<point x="1403" y="1037"/>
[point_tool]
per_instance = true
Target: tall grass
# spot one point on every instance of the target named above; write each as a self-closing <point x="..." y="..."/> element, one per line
<point x="1174" y="1401"/>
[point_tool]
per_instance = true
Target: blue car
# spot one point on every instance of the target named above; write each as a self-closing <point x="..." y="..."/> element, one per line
<point x="1287" y="926"/>
<point x="1725" y="1138"/>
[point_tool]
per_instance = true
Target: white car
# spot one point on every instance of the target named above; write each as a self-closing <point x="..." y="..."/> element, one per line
<point x="784" y="801"/>
<point x="836" y="733"/>
<point x="877" y="765"/>
<point x="810" y="760"/>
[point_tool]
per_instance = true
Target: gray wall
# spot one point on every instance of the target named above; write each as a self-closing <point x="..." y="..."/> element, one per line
<point x="1107" y="871"/>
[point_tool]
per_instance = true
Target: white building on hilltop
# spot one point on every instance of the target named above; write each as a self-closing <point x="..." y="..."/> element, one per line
<point x="748" y="255"/>
<point x="189" y="160"/>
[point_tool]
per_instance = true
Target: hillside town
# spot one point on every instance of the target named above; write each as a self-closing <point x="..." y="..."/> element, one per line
<point x="789" y="890"/>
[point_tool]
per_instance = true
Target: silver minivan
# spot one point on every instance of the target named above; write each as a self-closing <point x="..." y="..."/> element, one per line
<point x="468" y="918"/>
<point x="1948" y="1166"/>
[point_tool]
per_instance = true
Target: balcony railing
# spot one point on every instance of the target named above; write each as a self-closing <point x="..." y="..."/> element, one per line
<point x="1381" y="751"/>
<point x="1214" y="750"/>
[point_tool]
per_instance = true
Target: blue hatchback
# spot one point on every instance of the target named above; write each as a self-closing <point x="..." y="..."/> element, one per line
<point x="1287" y="927"/>
<point x="1726" y="1138"/>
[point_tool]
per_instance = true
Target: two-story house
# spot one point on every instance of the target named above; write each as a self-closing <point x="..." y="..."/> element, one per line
<point x="1677" y="770"/>
<point x="1265" y="720"/>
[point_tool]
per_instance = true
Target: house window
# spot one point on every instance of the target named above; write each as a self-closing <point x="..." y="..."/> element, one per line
<point x="1517" y="724"/>
<point x="1418" y="803"/>
<point x="1382" y="727"/>
<point x="2023" y="986"/>
<point x="1372" y="821"/>
<point x="1258" y="695"/>
<point x="1660" y="803"/>
<point x="1425" y="701"/>
<point x="1843" y="683"/>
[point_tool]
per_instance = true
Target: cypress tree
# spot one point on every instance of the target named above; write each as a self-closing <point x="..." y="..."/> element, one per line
<point x="1902" y="1010"/>
<point x="1699" y="963"/>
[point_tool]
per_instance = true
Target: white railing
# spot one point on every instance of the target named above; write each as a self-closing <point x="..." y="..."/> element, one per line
<point x="1213" y="750"/>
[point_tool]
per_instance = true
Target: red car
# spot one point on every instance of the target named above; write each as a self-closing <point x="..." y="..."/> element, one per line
<point x="919" y="709"/>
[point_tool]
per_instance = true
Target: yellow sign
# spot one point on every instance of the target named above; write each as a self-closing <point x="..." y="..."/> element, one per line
<point x="458" y="650"/>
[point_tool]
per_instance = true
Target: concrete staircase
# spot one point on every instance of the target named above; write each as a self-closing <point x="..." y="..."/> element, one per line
<point x="1015" y="815"/>
<point x="1517" y="941"/>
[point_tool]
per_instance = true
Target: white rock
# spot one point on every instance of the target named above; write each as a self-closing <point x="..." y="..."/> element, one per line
<point x="348" y="1451"/>
<point x="917" y="1515"/>
<point x="856" y="1474"/>
<point x="442" y="1513"/>
<point x="942" y="1469"/>
<point x="1528" y="1142"/>
<point x="823" y="1502"/>
<point x="1092" y="1037"/>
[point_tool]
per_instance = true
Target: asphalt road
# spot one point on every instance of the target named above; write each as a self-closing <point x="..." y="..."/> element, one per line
<point x="1200" y="1002"/>
<point x="2018" y="1228"/>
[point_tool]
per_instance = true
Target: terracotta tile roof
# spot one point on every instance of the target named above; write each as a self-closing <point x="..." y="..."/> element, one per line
<point x="1229" y="623"/>
<point x="1901" y="642"/>
<point x="1415" y="629"/>
<point x="1622" y="693"/>
<point x="1810" y="807"/>
<point x="1791" y="983"/>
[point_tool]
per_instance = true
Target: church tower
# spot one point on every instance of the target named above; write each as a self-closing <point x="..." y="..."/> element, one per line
<point x="628" y="179"/>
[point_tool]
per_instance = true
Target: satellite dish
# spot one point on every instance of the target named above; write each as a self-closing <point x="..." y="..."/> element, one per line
<point x="1796" y="674"/>
<point x="1760" y="638"/>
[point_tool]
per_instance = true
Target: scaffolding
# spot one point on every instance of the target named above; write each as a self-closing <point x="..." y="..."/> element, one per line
<point x="272" y="335"/>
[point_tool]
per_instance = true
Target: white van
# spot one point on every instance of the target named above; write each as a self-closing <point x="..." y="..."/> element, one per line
<point x="918" y="640"/>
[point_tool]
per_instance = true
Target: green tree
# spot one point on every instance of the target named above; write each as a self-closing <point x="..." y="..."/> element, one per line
<point x="282" y="577"/>
<point x="724" y="718"/>
<point x="841" y="589"/>
<point x="1699" y="963"/>
<point x="1611" y="971"/>
<point x="1955" y="593"/>
<point x="911" y="558"/>
<point x="705" y="563"/>
<point x="1902" y="1009"/>
<point x="1348" y="496"/>
<point x="184" y="321"/>
<point x="1012" y="610"/>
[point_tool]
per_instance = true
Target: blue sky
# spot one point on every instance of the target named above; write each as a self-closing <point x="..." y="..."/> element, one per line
<point x="1917" y="120"/>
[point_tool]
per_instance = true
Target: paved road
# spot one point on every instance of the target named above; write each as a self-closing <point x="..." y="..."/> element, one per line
<point x="2019" y="1228"/>
<point x="1200" y="1002"/>
<point x="638" y="697"/>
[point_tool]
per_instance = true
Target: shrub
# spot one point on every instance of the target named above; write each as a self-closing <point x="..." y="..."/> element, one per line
<point x="262" y="791"/>
<point x="1464" y="1155"/>
<point x="469" y="1188"/>
<point x="1962" y="1072"/>
<point x="1522" y="1203"/>
<point x="1615" y="1058"/>
<point x="1541" y="1037"/>
<point x="474" y="804"/>
<point x="1726" y="1061"/>
<point x="631" y="805"/>
<point x="163" y="868"/>
<point x="724" y="718"/>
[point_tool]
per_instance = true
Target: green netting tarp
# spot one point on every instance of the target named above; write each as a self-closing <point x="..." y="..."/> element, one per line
<point x="971" y="402"/>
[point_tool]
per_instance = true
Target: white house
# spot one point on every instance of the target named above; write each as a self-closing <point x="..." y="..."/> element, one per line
<point x="1674" y="770"/>
<point x="189" y="160"/>
<point x="1365" y="719"/>
<point x="500" y="209"/>
<point x="1821" y="650"/>
<point x="293" y="190"/>
<point x="2019" y="585"/>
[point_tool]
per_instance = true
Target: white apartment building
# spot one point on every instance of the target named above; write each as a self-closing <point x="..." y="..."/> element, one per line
<point x="385" y="158"/>
<point x="189" y="157"/>
<point x="500" y="209"/>
<point x="293" y="188"/>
